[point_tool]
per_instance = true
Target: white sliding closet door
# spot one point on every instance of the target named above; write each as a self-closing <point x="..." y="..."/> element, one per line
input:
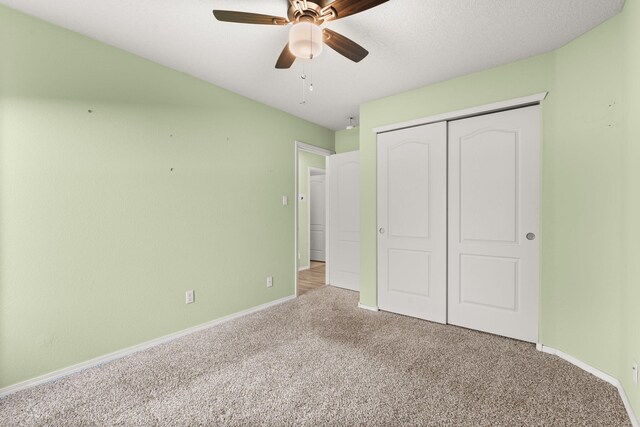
<point x="412" y="222"/>
<point x="494" y="167"/>
<point x="344" y="220"/>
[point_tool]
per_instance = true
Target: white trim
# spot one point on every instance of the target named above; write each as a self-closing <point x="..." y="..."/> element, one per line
<point x="580" y="364"/>
<point x="315" y="169"/>
<point x="598" y="373"/>
<point x="51" y="376"/>
<point x="304" y="268"/>
<point x="297" y="147"/>
<point x="327" y="225"/>
<point x="368" y="307"/>
<point x="313" y="149"/>
<point x="468" y="112"/>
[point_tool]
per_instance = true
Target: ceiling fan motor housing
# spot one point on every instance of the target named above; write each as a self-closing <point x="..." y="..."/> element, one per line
<point x="315" y="11"/>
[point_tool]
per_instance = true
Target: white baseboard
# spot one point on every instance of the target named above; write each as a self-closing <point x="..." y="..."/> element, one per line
<point x="51" y="376"/>
<point x="598" y="373"/>
<point x="304" y="268"/>
<point x="368" y="307"/>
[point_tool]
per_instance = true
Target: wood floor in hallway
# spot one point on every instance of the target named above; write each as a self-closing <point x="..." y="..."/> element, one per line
<point x="312" y="278"/>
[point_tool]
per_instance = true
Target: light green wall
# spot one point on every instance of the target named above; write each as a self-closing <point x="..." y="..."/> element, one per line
<point x="347" y="140"/>
<point x="582" y="202"/>
<point x="589" y="185"/>
<point x="99" y="238"/>
<point x="631" y="194"/>
<point x="305" y="161"/>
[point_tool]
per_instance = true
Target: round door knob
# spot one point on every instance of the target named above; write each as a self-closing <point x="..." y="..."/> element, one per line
<point x="381" y="230"/>
<point x="531" y="236"/>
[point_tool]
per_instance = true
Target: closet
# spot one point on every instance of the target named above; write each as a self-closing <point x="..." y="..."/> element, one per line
<point x="458" y="222"/>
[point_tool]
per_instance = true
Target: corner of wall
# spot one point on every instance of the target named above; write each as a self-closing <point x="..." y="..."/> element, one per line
<point x="631" y="189"/>
<point x="347" y="140"/>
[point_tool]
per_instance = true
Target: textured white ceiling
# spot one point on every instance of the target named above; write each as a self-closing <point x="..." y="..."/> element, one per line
<point x="412" y="43"/>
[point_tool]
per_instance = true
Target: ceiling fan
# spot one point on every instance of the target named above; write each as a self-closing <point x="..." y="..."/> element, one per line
<point x="306" y="37"/>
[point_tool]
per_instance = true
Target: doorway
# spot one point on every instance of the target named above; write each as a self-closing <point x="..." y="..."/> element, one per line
<point x="311" y="223"/>
<point x="317" y="214"/>
<point x="310" y="218"/>
<point x="312" y="278"/>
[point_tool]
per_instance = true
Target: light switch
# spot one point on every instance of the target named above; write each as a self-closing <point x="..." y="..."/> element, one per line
<point x="285" y="200"/>
<point x="189" y="297"/>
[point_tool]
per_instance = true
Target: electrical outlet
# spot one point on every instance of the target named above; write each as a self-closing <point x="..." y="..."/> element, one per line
<point x="635" y="372"/>
<point x="269" y="282"/>
<point x="189" y="297"/>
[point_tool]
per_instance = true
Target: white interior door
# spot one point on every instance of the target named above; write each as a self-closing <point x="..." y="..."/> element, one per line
<point x="344" y="219"/>
<point x="412" y="221"/>
<point x="316" y="218"/>
<point x="494" y="167"/>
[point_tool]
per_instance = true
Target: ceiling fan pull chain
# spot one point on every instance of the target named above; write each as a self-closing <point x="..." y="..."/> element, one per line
<point x="304" y="78"/>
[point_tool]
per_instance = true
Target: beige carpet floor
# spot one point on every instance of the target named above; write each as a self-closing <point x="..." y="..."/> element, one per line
<point x="319" y="360"/>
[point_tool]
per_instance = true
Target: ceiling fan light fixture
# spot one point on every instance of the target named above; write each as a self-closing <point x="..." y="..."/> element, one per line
<point x="305" y="40"/>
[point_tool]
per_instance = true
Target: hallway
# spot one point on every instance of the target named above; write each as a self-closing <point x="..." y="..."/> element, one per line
<point x="311" y="278"/>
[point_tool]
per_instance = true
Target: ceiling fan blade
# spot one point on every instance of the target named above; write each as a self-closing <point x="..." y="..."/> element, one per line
<point x="343" y="8"/>
<point x="344" y="46"/>
<point x="248" y="18"/>
<point x="286" y="58"/>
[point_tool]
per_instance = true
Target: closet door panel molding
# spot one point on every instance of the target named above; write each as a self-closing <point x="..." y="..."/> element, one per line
<point x="412" y="222"/>
<point x="494" y="224"/>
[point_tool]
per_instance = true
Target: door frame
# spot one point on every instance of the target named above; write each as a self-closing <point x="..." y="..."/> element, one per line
<point x="510" y="104"/>
<point x="299" y="146"/>
<point x="324" y="172"/>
